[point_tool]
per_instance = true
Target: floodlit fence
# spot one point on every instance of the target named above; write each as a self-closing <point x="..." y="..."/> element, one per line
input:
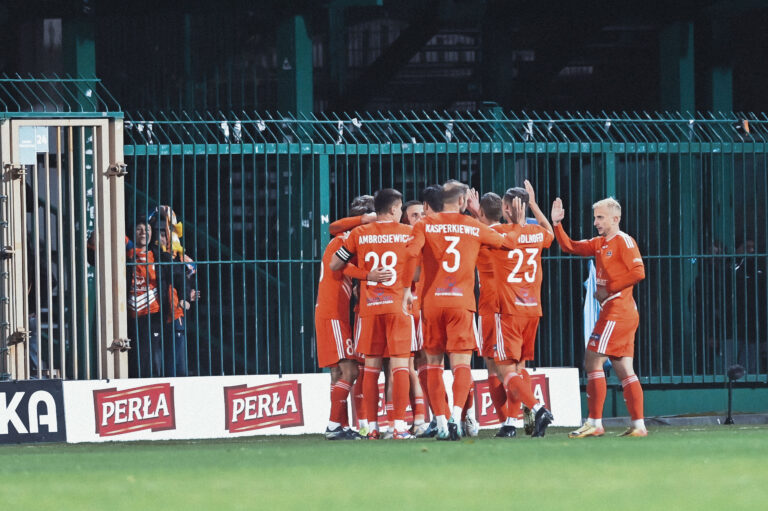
<point x="255" y="195"/>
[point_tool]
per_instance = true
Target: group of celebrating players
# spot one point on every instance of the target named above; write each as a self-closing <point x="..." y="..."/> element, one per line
<point x="416" y="264"/>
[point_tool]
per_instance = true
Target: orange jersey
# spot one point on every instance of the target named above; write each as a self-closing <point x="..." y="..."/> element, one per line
<point x="618" y="267"/>
<point x="379" y="244"/>
<point x="143" y="297"/>
<point x="518" y="271"/>
<point x="417" y="289"/>
<point x="449" y="244"/>
<point x="488" y="302"/>
<point x="335" y="287"/>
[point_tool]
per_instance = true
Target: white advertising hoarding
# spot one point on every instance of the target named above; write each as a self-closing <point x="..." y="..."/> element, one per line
<point x="231" y="406"/>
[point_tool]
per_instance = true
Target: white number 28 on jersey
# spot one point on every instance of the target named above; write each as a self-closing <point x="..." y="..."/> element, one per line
<point x="388" y="262"/>
<point x="530" y="276"/>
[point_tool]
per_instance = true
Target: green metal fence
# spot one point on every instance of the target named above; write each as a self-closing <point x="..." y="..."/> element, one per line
<point x="255" y="195"/>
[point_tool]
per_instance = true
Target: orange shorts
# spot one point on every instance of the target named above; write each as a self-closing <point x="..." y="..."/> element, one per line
<point x="448" y="330"/>
<point x="518" y="338"/>
<point x="334" y="341"/>
<point x="487" y="325"/>
<point x="393" y="334"/>
<point x="615" y="338"/>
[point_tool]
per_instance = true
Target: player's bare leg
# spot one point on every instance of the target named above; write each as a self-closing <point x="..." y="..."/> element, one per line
<point x="633" y="395"/>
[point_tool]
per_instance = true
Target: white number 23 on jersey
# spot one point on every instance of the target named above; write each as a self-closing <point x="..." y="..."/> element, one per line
<point x="530" y="276"/>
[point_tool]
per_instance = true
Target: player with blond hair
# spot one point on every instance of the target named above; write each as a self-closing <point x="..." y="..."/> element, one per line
<point x="619" y="266"/>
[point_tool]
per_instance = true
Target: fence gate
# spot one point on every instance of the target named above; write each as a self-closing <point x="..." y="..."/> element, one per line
<point x="62" y="278"/>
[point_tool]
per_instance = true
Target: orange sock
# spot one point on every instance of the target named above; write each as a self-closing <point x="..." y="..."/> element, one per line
<point x="339" y="393"/>
<point x="389" y="408"/>
<point x="422" y="371"/>
<point x="371" y="393"/>
<point x="436" y="389"/>
<point x="419" y="408"/>
<point x="462" y="381"/>
<point x="401" y="382"/>
<point x="498" y="396"/>
<point x="518" y="391"/>
<point x="526" y="376"/>
<point x="470" y="401"/>
<point x="357" y="397"/>
<point x="633" y="396"/>
<point x="596" y="391"/>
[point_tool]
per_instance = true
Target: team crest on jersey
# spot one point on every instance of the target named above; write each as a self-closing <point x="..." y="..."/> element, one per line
<point x="608" y="254"/>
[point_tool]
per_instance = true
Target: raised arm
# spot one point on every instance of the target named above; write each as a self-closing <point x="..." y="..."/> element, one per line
<point x="535" y="209"/>
<point x="582" y="248"/>
<point x="349" y="223"/>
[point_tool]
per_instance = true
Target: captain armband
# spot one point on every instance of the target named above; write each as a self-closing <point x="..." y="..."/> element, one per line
<point x="344" y="254"/>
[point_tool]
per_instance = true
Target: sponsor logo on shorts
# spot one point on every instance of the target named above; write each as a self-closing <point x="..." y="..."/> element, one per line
<point x="263" y="406"/>
<point x="126" y="411"/>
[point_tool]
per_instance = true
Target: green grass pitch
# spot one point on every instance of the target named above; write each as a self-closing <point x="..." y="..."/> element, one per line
<point x="723" y="468"/>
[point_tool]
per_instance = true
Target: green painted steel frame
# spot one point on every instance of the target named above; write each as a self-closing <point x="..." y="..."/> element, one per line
<point x="303" y="170"/>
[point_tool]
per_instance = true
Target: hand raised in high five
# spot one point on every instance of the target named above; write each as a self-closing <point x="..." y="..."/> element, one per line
<point x="531" y="193"/>
<point x="558" y="213"/>
<point x="473" y="202"/>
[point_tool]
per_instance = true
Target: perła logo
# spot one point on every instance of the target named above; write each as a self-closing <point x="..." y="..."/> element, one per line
<point x="263" y="406"/>
<point x="125" y="411"/>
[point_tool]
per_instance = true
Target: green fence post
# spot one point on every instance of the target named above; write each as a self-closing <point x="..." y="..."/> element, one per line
<point x="677" y="70"/>
<point x="294" y="54"/>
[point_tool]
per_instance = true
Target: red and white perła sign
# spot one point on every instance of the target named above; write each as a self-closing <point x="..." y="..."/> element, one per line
<point x="275" y="404"/>
<point x="124" y="411"/>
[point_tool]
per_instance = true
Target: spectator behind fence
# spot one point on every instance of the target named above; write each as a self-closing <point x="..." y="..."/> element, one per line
<point x="144" y="318"/>
<point x="178" y="279"/>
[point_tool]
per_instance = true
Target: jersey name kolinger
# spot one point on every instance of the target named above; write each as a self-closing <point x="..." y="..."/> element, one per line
<point x="531" y="238"/>
<point x="452" y="229"/>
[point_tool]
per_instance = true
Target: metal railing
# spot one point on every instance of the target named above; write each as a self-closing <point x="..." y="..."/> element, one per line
<point x="62" y="285"/>
<point x="255" y="195"/>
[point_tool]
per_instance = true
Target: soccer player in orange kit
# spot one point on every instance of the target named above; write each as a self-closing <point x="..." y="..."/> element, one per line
<point x="518" y="283"/>
<point x="384" y="325"/>
<point x="448" y="243"/>
<point x="619" y="266"/>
